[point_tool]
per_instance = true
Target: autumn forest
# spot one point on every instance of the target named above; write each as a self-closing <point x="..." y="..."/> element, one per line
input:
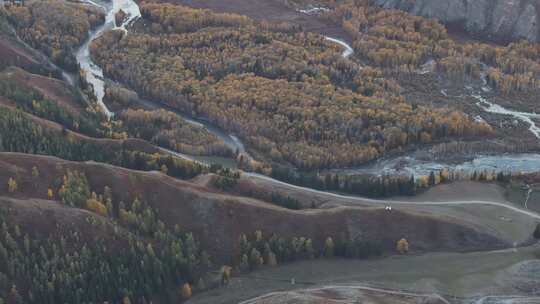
<point x="288" y="94"/>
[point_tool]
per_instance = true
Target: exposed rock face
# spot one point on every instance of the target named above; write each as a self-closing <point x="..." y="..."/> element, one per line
<point x="498" y="19"/>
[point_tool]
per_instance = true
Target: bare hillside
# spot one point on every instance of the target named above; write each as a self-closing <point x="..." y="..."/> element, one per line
<point x="219" y="219"/>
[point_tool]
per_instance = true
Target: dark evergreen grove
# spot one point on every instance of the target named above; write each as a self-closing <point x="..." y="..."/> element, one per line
<point x="258" y="249"/>
<point x="138" y="257"/>
<point x="371" y="186"/>
<point x="34" y="102"/>
<point x="19" y="133"/>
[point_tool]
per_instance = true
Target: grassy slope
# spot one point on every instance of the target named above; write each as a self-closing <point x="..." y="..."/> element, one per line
<point x="218" y="219"/>
<point x="53" y="89"/>
<point x="13" y="52"/>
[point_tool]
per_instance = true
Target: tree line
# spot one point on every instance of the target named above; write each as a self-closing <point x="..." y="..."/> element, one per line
<point x="398" y="41"/>
<point x="259" y="249"/>
<point x="166" y="129"/>
<point x="56" y="28"/>
<point x="383" y="185"/>
<point x="20" y="133"/>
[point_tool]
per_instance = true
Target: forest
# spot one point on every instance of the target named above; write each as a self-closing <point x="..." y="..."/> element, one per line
<point x="288" y="94"/>
<point x="259" y="249"/>
<point x="21" y="133"/>
<point x="396" y="41"/>
<point x="378" y="186"/>
<point x="70" y="267"/>
<point x="57" y="28"/>
<point x="34" y="102"/>
<point x="160" y="127"/>
<point x="168" y="130"/>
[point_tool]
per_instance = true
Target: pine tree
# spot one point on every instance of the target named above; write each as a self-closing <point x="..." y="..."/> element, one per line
<point x="536" y="233"/>
<point x="254" y="258"/>
<point x="431" y="180"/>
<point x="244" y="263"/>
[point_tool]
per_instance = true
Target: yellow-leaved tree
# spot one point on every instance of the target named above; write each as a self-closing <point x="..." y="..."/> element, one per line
<point x="185" y="291"/>
<point x="402" y="246"/>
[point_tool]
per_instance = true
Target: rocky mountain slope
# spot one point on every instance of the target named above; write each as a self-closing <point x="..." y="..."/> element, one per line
<point x="501" y="20"/>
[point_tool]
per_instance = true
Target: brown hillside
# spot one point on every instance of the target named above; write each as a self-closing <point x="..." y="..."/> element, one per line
<point x="14" y="52"/>
<point x="41" y="217"/>
<point x="13" y="55"/>
<point x="51" y="88"/>
<point x="218" y="219"/>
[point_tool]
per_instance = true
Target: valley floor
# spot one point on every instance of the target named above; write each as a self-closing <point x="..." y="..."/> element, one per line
<point x="469" y="275"/>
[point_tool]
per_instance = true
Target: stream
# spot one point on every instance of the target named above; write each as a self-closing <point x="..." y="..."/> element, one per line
<point x="94" y="76"/>
<point x="348" y="49"/>
<point x="93" y="73"/>
<point x="497" y="109"/>
<point x="405" y="165"/>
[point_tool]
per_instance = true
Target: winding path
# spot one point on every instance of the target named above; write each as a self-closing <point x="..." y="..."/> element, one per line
<point x="507" y="300"/>
<point x="354" y="287"/>
<point x="483" y="300"/>
<point x="391" y="203"/>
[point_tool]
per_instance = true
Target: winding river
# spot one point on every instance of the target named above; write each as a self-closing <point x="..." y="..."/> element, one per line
<point x="94" y="76"/>
<point x="348" y="49"/>
<point x="93" y="73"/>
<point x="400" y="165"/>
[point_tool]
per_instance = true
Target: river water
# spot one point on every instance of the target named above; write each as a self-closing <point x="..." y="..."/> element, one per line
<point x="522" y="116"/>
<point x="348" y="49"/>
<point x="93" y="73"/>
<point x="404" y="165"/>
<point x="411" y="165"/>
<point x="94" y="76"/>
